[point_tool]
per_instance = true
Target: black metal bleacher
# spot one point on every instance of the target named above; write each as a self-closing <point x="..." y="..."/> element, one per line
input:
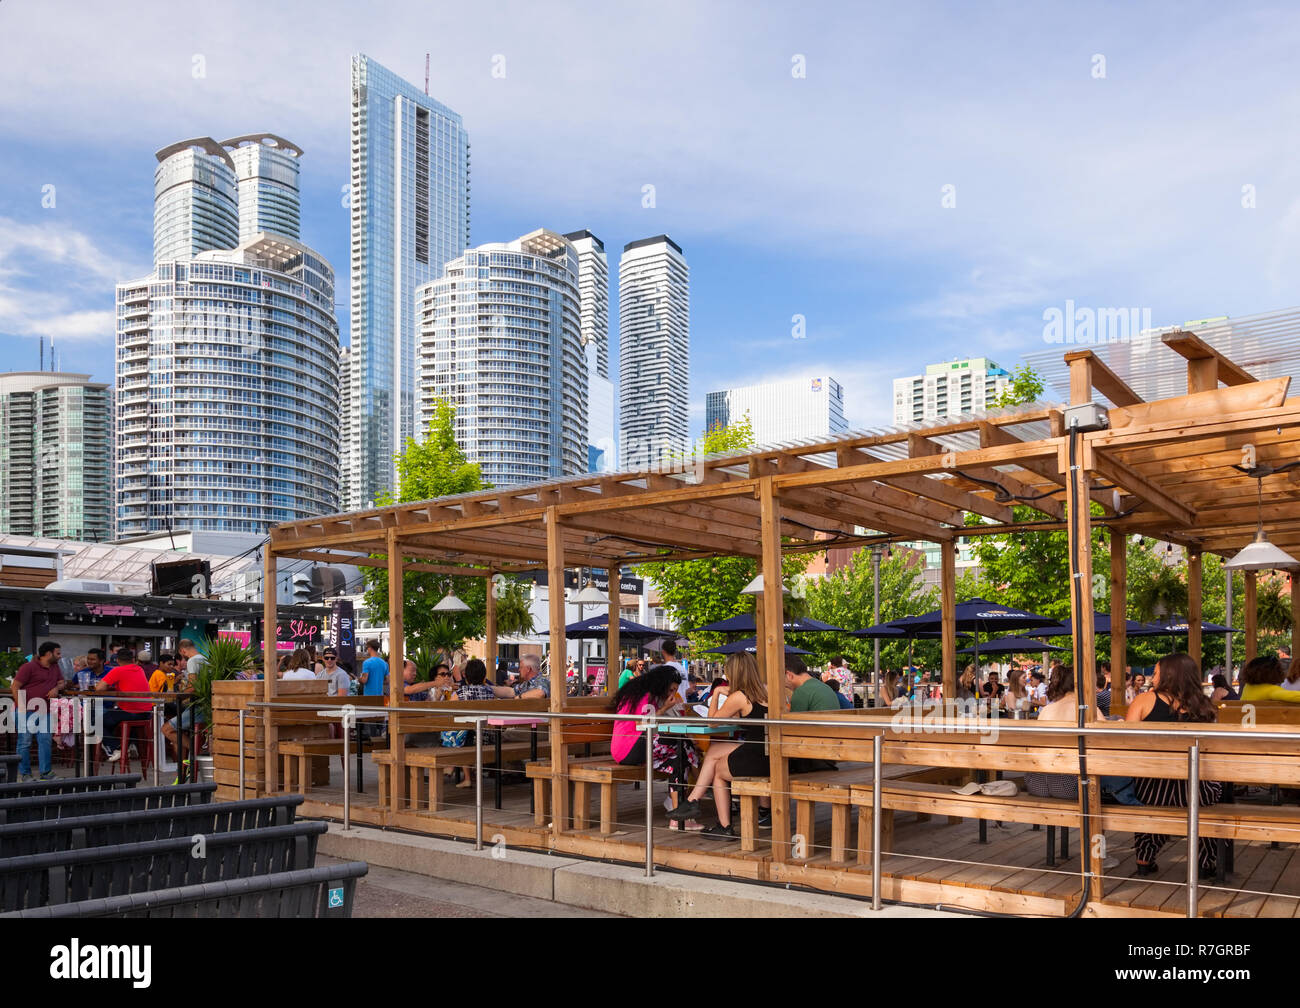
<point x="67" y="785"/>
<point x="71" y="876"/>
<point x="310" y="892"/>
<point x="61" y="805"/>
<point x="77" y="832"/>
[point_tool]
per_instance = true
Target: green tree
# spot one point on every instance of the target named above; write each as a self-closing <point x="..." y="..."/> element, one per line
<point x="435" y="467"/>
<point x="696" y="592"/>
<point x="1026" y="387"/>
<point x="845" y="599"/>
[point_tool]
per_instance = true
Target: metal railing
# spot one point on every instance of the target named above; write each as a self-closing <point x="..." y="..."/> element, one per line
<point x="876" y="727"/>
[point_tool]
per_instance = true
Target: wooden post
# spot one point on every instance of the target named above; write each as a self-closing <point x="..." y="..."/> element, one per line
<point x="948" y="615"/>
<point x="772" y="646"/>
<point x="1079" y="522"/>
<point x="1118" y="611"/>
<point x="1252" y="615"/>
<point x="613" y="664"/>
<point x="1194" y="605"/>
<point x="490" y="630"/>
<point x="555" y="598"/>
<point x="269" y="680"/>
<point x="396" y="659"/>
<point x="1295" y="622"/>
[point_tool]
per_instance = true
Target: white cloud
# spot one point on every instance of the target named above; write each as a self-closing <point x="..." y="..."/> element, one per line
<point x="56" y="282"/>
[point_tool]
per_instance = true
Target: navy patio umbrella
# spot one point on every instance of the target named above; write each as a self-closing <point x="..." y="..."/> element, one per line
<point x="980" y="616"/>
<point x="745" y="623"/>
<point x="1010" y="645"/>
<point x="1170" y="626"/>
<point x="1100" y="625"/>
<point x="597" y="628"/>
<point x="748" y="645"/>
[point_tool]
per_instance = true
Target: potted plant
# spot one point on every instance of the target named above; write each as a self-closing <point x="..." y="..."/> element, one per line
<point x="225" y="659"/>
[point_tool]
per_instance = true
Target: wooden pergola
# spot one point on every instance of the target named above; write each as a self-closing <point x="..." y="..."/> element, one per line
<point x="1162" y="469"/>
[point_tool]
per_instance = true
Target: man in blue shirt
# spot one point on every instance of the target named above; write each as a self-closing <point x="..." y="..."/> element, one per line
<point x="374" y="670"/>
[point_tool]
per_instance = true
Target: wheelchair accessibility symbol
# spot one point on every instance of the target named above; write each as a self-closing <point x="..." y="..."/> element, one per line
<point x="336" y="897"/>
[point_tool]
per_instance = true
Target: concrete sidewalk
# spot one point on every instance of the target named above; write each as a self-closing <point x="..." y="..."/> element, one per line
<point x="608" y="888"/>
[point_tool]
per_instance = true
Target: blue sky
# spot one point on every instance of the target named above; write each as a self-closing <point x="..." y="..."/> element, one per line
<point x="818" y="195"/>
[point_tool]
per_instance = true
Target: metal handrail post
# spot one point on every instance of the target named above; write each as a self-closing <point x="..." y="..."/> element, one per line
<point x="85" y="734"/>
<point x="1193" y="825"/>
<point x="478" y="783"/>
<point x="155" y="727"/>
<point x="347" y="771"/>
<point x="241" y="754"/>
<point x="649" y="797"/>
<point x="877" y="777"/>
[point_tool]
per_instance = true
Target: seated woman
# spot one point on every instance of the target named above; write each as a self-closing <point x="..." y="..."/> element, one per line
<point x="966" y="684"/>
<point x="889" y="687"/>
<point x="652" y="693"/>
<point x="1222" y="689"/>
<point x="1061" y="706"/>
<point x="727" y="760"/>
<point x="1261" y="679"/>
<point x="1175" y="695"/>
<point x="1015" y="698"/>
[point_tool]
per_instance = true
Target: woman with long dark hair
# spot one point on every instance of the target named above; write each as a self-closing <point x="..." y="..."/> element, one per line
<point x="1176" y="695"/>
<point x="654" y="692"/>
<point x="1261" y="679"/>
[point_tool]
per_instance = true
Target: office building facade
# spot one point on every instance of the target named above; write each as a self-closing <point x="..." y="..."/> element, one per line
<point x="781" y="412"/>
<point x="948" y="390"/>
<point x="227" y="381"/>
<point x="501" y="340"/>
<point x="55" y="456"/>
<point x="654" y="345"/>
<point x="410" y="209"/>
<point x="593" y="293"/>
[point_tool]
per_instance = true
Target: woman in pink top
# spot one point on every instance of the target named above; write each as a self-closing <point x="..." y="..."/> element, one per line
<point x="654" y="692"/>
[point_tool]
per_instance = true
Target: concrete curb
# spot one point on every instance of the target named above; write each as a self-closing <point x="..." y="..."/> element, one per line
<point x="612" y="888"/>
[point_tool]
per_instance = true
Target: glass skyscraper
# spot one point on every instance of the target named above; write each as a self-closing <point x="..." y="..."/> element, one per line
<point x="409" y="217"/>
<point x="593" y="292"/>
<point x="195" y="205"/>
<point x="266" y="168"/>
<point x="501" y="341"/>
<point x="55" y="451"/>
<point x="654" y="351"/>
<point x="227" y="416"/>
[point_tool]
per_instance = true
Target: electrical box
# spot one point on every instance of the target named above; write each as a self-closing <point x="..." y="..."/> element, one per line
<point x="1086" y="417"/>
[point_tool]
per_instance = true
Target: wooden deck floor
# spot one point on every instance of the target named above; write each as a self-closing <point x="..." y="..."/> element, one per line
<point x="931" y="861"/>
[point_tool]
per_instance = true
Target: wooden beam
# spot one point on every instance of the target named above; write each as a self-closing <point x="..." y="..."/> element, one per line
<point x="490" y="628"/>
<point x="1080" y="376"/>
<point x="1048" y="469"/>
<point x="613" y="666"/>
<point x="1194" y="349"/>
<point x="269" y="679"/>
<point x="1110" y="468"/>
<point x="1100" y="377"/>
<point x="919" y="445"/>
<point x="1252" y="616"/>
<point x="1197" y="407"/>
<point x="948" y="616"/>
<point x="943" y="490"/>
<point x="1079" y="537"/>
<point x="555" y="598"/>
<point x="1294" y="578"/>
<point x="1195" y="596"/>
<point x="1118" y="607"/>
<point x="773" y="645"/>
<point x="396" y="660"/>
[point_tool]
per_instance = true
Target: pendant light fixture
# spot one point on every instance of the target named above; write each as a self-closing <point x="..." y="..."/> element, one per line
<point x="1261" y="554"/>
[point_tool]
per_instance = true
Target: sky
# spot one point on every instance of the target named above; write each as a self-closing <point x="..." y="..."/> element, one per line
<point x="919" y="182"/>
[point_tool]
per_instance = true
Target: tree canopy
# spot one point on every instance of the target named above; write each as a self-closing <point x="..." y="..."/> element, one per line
<point x="434" y="467"/>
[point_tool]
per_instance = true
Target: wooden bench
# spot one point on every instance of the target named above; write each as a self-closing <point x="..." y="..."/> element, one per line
<point x="433" y="761"/>
<point x="830" y="787"/>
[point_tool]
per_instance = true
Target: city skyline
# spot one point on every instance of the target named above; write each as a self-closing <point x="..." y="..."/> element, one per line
<point x="885" y="276"/>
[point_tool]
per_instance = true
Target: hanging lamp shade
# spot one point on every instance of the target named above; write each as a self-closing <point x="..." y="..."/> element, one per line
<point x="591" y="595"/>
<point x="451" y="603"/>
<point x="1261" y="555"/>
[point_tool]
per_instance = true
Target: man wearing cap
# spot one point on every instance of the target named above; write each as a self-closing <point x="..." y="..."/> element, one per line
<point x="340" y="683"/>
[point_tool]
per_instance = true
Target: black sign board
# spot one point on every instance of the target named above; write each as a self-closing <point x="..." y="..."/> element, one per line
<point x="627" y="585"/>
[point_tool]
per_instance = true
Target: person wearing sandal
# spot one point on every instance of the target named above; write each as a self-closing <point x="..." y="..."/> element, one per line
<point x="652" y="693"/>
<point x="1175" y="695"/>
<point x="742" y="758"/>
